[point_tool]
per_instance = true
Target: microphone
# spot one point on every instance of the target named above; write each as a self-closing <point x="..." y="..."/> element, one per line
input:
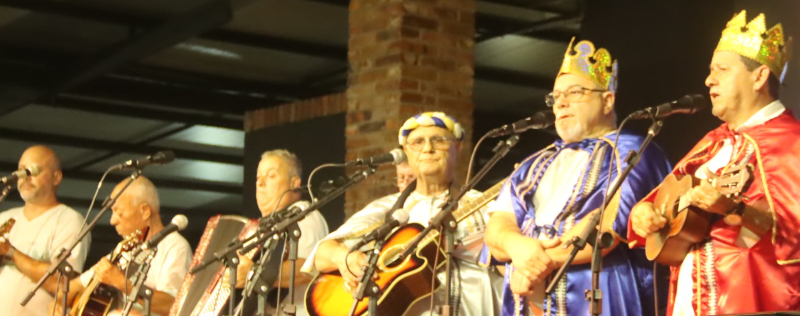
<point x="30" y="171"/>
<point x="398" y="218"/>
<point x="178" y="223"/>
<point x="540" y="120"/>
<point x="395" y="156"/>
<point x="159" y="158"/>
<point x="688" y="104"/>
<point x="282" y="214"/>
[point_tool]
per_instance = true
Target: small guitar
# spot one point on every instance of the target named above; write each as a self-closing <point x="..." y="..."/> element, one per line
<point x="401" y="283"/>
<point x="99" y="299"/>
<point x="686" y="224"/>
<point x="5" y="229"/>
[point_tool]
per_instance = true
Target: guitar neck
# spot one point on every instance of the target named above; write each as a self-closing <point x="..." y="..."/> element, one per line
<point x="467" y="209"/>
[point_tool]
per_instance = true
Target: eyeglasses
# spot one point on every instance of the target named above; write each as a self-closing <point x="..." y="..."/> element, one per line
<point x="438" y="143"/>
<point x="572" y="94"/>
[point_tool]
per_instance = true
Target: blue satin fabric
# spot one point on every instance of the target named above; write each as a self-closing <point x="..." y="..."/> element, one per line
<point x="627" y="277"/>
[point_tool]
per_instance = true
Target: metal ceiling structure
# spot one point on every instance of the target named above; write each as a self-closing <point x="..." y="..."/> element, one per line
<point x="104" y="81"/>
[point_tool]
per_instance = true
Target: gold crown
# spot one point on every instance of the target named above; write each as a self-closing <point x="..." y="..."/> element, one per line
<point x="754" y="41"/>
<point x="583" y="60"/>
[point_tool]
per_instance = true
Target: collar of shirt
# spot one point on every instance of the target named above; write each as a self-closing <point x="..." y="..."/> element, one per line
<point x="767" y="113"/>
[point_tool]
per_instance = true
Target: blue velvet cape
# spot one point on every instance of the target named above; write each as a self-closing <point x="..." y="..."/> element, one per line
<point x="627" y="276"/>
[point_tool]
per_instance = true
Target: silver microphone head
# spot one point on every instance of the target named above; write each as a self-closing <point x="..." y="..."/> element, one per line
<point x="180" y="221"/>
<point x="399" y="156"/>
<point x="300" y="205"/>
<point x="33" y="170"/>
<point x="401" y="217"/>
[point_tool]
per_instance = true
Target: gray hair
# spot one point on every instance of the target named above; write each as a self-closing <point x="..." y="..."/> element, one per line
<point x="290" y="159"/>
<point x="143" y="191"/>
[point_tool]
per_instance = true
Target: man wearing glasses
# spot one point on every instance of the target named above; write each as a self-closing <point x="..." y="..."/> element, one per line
<point x="432" y="142"/>
<point x="547" y="197"/>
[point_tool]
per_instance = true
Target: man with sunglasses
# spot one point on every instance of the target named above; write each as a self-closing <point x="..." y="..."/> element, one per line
<point x="750" y="260"/>
<point x="550" y="196"/>
<point x="432" y="142"/>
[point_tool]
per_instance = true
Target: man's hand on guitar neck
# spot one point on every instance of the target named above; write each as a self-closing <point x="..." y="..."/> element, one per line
<point x="645" y="220"/>
<point x="110" y="274"/>
<point x="706" y="197"/>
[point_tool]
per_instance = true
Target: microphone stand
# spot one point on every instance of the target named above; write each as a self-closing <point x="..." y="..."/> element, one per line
<point x="4" y="193"/>
<point x="602" y="240"/>
<point x="229" y="253"/>
<point x="292" y="235"/>
<point x="139" y="290"/>
<point x="60" y="263"/>
<point x="367" y="286"/>
<point x="447" y="222"/>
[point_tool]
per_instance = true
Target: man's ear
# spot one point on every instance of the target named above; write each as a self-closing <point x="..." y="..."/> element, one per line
<point x="761" y="77"/>
<point x="57" y="177"/>
<point x="608" y="102"/>
<point x="296" y="182"/>
<point x="147" y="212"/>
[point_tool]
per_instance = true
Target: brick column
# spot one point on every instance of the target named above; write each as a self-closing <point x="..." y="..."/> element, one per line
<point x="406" y="57"/>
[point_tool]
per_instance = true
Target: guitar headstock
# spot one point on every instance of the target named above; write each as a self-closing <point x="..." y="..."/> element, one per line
<point x="6" y="228"/>
<point x="735" y="180"/>
<point x="129" y="243"/>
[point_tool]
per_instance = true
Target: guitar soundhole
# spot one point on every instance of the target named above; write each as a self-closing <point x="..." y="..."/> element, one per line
<point x="390" y="258"/>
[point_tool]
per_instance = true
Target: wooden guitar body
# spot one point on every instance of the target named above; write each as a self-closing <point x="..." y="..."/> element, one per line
<point x="686" y="224"/>
<point x="406" y="282"/>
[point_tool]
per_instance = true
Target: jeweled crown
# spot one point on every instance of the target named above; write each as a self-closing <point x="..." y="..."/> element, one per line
<point x="597" y="65"/>
<point x="754" y="41"/>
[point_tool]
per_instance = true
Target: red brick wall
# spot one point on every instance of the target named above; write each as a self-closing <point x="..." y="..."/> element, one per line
<point x="406" y="57"/>
<point x="294" y="112"/>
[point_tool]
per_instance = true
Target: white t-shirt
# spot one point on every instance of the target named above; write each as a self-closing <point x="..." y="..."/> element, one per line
<point x="167" y="268"/>
<point x="40" y="239"/>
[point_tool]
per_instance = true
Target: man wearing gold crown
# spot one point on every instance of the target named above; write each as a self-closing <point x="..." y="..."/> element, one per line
<point x="750" y="262"/>
<point x="552" y="193"/>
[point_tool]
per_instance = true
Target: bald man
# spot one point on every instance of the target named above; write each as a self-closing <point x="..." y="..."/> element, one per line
<point x="43" y="226"/>
<point x="137" y="209"/>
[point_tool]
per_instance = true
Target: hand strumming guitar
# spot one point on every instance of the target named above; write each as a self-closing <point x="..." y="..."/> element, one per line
<point x="706" y="197"/>
<point x="645" y="220"/>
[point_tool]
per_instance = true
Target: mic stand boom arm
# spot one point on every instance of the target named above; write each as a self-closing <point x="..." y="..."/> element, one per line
<point x="448" y="223"/>
<point x="60" y="263"/>
<point x="602" y="240"/>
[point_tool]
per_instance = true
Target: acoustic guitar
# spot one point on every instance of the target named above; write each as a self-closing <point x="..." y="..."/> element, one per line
<point x="5" y="229"/>
<point x="688" y="225"/>
<point x="401" y="283"/>
<point x="99" y="299"/>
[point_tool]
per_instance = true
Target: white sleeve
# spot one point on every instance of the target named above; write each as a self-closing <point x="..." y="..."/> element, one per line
<point x="176" y="263"/>
<point x="372" y="214"/>
<point x="313" y="229"/>
<point x="503" y="201"/>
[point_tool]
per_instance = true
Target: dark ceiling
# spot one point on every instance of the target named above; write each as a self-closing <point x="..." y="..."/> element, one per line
<point x="102" y="81"/>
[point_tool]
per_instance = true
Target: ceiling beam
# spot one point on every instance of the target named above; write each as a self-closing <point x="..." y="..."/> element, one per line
<point x="104" y="145"/>
<point x="276" y="43"/>
<point x="204" y="17"/>
<point x="75" y="10"/>
<point x="512" y="77"/>
<point x="194" y="185"/>
<point x="111" y="107"/>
